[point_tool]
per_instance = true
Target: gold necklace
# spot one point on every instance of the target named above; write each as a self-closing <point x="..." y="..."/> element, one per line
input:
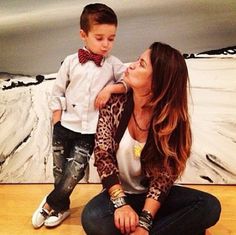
<point x="136" y="123"/>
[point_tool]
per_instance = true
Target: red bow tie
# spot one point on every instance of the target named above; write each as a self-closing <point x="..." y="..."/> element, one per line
<point x="84" y="56"/>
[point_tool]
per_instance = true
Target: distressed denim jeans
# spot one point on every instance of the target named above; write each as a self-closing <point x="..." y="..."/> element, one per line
<point x="185" y="211"/>
<point x="71" y="154"/>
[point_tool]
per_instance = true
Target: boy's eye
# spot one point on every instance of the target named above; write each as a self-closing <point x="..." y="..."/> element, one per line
<point x="111" y="39"/>
<point x="99" y="38"/>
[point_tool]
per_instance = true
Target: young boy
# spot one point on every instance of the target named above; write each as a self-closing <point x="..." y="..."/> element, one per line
<point x="76" y="100"/>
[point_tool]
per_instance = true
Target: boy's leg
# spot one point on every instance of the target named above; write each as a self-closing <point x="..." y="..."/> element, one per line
<point x="77" y="162"/>
<point x="61" y="150"/>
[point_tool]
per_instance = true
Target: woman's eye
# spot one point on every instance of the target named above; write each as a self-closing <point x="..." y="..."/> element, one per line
<point x="141" y="64"/>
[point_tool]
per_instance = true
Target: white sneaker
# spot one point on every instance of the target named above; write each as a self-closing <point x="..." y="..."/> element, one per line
<point x="56" y="218"/>
<point x="40" y="215"/>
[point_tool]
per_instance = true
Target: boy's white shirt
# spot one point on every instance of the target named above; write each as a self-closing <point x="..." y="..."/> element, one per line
<point x="76" y="87"/>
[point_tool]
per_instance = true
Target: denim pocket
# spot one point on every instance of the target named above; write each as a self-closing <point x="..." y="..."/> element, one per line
<point x="59" y="131"/>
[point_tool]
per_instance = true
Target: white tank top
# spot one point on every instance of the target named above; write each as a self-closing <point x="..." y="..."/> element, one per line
<point x="128" y="158"/>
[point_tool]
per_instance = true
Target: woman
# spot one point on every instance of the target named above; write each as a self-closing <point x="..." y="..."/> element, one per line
<point x="142" y="144"/>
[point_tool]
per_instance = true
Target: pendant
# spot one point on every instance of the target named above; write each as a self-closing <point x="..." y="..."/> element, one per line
<point x="137" y="151"/>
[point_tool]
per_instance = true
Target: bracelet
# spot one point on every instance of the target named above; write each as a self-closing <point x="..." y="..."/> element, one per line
<point x="144" y="225"/>
<point x="116" y="192"/>
<point x="125" y="85"/>
<point x="146" y="214"/>
<point x="119" y="202"/>
<point x="145" y="220"/>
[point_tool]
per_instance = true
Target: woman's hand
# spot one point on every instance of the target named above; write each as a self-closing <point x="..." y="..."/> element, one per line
<point x="126" y="219"/>
<point x="139" y="231"/>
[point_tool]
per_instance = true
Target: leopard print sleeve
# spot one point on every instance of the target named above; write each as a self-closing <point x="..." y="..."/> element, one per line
<point x="105" y="145"/>
<point x="160" y="186"/>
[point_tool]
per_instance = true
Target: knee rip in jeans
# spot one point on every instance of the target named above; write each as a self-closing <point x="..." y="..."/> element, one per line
<point x="57" y="170"/>
<point x="78" y="165"/>
<point x="81" y="150"/>
<point x="58" y="149"/>
<point x="79" y="170"/>
<point x="81" y="155"/>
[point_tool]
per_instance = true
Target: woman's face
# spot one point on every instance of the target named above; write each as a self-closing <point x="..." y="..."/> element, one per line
<point x="139" y="74"/>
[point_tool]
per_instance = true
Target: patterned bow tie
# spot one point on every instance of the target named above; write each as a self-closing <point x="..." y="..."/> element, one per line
<point x="84" y="56"/>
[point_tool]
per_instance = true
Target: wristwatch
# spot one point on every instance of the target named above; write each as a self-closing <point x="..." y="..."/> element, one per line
<point x="119" y="202"/>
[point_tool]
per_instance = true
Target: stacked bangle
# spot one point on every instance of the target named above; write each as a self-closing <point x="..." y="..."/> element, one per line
<point x="119" y="202"/>
<point x="118" y="198"/>
<point x="145" y="220"/>
<point x="116" y="192"/>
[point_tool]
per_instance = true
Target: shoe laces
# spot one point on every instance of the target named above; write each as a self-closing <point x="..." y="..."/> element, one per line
<point x="54" y="213"/>
<point x="44" y="213"/>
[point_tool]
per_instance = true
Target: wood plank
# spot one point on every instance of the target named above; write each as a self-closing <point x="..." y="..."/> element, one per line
<point x="18" y="202"/>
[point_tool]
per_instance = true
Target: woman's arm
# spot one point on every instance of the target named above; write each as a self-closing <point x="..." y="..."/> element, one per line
<point x="151" y="206"/>
<point x="105" y="145"/>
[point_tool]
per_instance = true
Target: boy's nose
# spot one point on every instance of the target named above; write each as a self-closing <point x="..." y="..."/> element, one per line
<point x="105" y="43"/>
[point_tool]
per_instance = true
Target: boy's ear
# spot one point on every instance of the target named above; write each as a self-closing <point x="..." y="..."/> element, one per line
<point x="82" y="34"/>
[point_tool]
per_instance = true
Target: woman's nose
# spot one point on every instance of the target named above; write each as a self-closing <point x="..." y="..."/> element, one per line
<point x="132" y="66"/>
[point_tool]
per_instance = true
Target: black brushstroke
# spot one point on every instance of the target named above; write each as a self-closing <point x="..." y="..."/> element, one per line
<point x="48" y="79"/>
<point x="15" y="148"/>
<point x="207" y="178"/>
<point x="2" y="114"/>
<point x="39" y="79"/>
<point x="7" y="76"/>
<point x="189" y="56"/>
<point x="211" y="158"/>
<point x="222" y="51"/>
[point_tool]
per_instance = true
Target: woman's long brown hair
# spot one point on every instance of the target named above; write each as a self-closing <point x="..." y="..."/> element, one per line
<point x="171" y="138"/>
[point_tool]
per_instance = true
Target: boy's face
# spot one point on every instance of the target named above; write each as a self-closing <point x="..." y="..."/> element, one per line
<point x="100" y="38"/>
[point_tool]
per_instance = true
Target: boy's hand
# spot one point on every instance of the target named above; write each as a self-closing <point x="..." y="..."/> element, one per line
<point x="56" y="116"/>
<point x="102" y="97"/>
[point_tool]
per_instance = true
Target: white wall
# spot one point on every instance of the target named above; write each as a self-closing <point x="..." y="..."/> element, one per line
<point x="25" y="131"/>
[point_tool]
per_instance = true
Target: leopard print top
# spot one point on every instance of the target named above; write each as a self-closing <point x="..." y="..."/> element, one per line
<point x="110" y="118"/>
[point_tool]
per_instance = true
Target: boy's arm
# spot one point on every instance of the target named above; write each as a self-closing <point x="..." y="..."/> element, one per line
<point x="104" y="95"/>
<point x="58" y="100"/>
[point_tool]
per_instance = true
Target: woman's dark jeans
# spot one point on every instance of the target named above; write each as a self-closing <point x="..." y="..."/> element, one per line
<point x="185" y="211"/>
<point x="71" y="154"/>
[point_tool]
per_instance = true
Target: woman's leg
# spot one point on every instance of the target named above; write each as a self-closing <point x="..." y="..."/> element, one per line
<point x="186" y="212"/>
<point x="98" y="216"/>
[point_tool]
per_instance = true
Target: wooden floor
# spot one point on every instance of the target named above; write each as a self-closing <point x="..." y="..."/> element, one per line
<point x="18" y="202"/>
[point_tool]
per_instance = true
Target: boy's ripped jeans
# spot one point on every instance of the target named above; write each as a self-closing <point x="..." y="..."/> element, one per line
<point x="71" y="153"/>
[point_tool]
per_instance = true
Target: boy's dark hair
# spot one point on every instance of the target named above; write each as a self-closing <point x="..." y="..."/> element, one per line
<point x="97" y="13"/>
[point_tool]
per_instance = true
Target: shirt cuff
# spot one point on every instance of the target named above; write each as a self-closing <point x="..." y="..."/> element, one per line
<point x="110" y="180"/>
